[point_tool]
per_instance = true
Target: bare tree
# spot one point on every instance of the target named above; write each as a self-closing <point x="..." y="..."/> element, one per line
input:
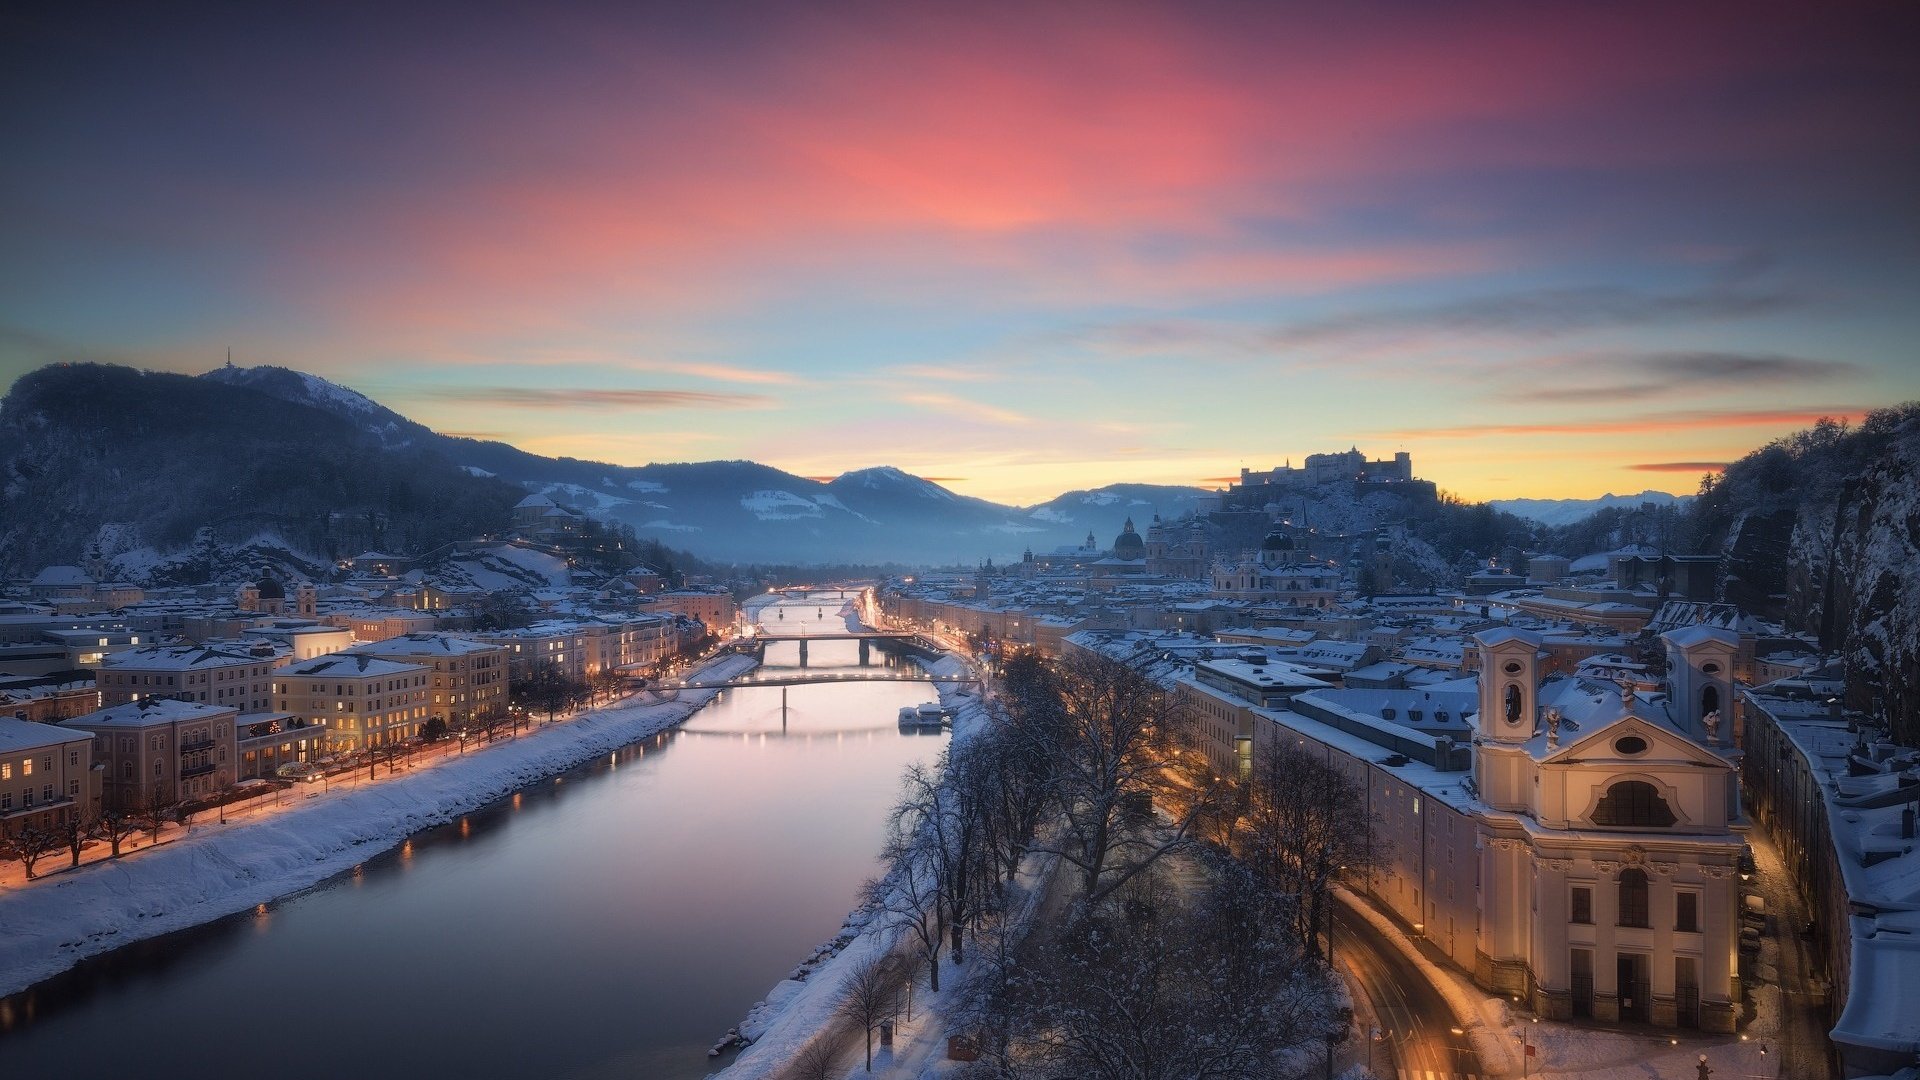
<point x="1305" y="823"/>
<point x="1121" y="746"/>
<point x="27" y="845"/>
<point x="116" y="826"/>
<point x="870" y="995"/>
<point x="910" y="892"/>
<point x="74" y="830"/>
<point x="1014" y="758"/>
<point x="941" y="820"/>
<point x="820" y="1060"/>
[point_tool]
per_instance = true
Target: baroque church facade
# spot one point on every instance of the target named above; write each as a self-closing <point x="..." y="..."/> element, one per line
<point x="1609" y="837"/>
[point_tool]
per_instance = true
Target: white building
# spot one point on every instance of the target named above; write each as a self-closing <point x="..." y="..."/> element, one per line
<point x="1589" y="862"/>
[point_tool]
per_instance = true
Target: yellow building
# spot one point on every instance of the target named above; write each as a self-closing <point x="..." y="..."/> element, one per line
<point x="363" y="701"/>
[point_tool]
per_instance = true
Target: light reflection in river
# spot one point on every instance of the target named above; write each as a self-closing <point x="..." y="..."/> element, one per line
<point x="612" y="925"/>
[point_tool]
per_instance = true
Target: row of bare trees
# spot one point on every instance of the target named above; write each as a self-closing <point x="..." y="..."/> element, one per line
<point x="29" y="844"/>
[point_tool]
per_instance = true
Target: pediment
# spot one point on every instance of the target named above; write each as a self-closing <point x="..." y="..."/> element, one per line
<point x="1663" y="744"/>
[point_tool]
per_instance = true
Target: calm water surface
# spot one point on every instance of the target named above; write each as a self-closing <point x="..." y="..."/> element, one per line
<point x="612" y="924"/>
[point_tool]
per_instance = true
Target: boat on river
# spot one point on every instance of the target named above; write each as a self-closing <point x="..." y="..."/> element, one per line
<point x="926" y="715"/>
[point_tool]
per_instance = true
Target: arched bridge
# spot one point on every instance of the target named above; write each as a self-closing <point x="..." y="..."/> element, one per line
<point x="901" y="640"/>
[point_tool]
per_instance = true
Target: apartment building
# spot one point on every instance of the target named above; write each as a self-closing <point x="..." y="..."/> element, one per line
<point x="468" y="676"/>
<point x="156" y="751"/>
<point x="46" y="775"/>
<point x="363" y="701"/>
<point x="236" y="675"/>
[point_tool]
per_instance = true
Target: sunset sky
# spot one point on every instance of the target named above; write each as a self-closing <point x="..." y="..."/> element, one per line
<point x="1552" y="250"/>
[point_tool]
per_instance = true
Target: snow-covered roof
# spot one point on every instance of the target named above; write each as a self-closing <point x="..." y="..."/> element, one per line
<point x="24" y="735"/>
<point x="425" y="645"/>
<point x="532" y="501"/>
<point x="148" y="712"/>
<point x="178" y="658"/>
<point x="63" y="576"/>
<point x="1699" y="634"/>
<point x="347" y="665"/>
<point x="1500" y="635"/>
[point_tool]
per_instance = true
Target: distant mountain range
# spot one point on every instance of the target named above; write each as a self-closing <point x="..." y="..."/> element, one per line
<point x="99" y="459"/>
<point x="1567" y="511"/>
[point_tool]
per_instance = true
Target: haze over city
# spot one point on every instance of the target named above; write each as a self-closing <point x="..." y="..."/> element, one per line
<point x="1552" y="250"/>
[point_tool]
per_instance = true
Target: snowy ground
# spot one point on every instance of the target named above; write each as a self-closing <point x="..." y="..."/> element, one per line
<point x="224" y="869"/>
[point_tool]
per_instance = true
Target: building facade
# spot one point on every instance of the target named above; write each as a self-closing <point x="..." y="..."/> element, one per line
<point x="468" y="682"/>
<point x="46" y="775"/>
<point x="364" y="702"/>
<point x="156" y="752"/>
<point x="236" y="676"/>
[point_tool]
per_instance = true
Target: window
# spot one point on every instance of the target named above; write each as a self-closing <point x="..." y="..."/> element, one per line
<point x="1513" y="703"/>
<point x="6" y="771"/>
<point x="1633" y="804"/>
<point x="73" y="788"/>
<point x="1633" y="897"/>
<point x="6" y="801"/>
<point x="1581" y="904"/>
<point x="1686" y="912"/>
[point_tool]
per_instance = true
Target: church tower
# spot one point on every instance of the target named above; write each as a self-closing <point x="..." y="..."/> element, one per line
<point x="1700" y="678"/>
<point x="1509" y="696"/>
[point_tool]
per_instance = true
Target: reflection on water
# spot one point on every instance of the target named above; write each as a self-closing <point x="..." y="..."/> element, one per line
<point x="610" y="923"/>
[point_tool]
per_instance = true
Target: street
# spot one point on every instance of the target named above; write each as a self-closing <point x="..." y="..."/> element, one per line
<point x="1417" y="1030"/>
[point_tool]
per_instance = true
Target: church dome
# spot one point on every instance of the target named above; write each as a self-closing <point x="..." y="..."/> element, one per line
<point x="1128" y="544"/>
<point x="270" y="589"/>
<point x="1277" y="541"/>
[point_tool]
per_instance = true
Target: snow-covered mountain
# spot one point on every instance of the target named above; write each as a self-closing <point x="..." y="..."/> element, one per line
<point x="739" y="511"/>
<point x="356" y="408"/>
<point x="1567" y="511"/>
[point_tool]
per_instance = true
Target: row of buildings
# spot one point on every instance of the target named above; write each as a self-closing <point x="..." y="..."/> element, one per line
<point x="178" y="696"/>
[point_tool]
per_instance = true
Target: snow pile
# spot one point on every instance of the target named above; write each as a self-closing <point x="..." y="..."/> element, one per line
<point x="230" y="868"/>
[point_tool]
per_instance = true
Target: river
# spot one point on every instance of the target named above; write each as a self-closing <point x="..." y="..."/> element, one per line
<point x="612" y="922"/>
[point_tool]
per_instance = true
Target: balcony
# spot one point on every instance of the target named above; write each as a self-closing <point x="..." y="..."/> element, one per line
<point x="188" y="772"/>
<point x="197" y="745"/>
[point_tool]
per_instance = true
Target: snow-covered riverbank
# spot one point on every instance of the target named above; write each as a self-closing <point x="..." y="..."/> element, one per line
<point x="803" y="1004"/>
<point x="225" y="869"/>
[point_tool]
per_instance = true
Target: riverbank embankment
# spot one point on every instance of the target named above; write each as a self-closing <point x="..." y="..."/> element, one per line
<point x="226" y="869"/>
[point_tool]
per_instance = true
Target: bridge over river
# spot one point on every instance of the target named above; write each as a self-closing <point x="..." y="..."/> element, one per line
<point x="888" y="640"/>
